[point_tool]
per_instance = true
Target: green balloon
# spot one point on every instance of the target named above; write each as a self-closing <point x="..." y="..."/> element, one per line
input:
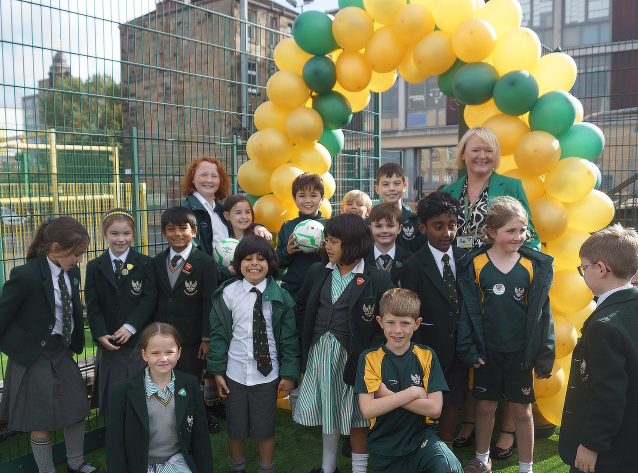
<point x="599" y="177"/>
<point x="350" y="3"/>
<point x="554" y="112"/>
<point x="312" y="31"/>
<point x="582" y="140"/>
<point x="252" y="198"/>
<point x="333" y="140"/>
<point x="319" y="74"/>
<point x="334" y="108"/>
<point x="516" y="93"/>
<point x="445" y="79"/>
<point x="473" y="83"/>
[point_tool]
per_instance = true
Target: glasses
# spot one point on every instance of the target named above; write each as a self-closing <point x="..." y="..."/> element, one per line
<point x="581" y="269"/>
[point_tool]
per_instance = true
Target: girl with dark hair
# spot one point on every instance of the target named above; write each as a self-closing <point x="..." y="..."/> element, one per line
<point x="240" y="217"/>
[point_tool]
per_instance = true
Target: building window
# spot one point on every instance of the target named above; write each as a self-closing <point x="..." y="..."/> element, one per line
<point x="426" y="104"/>
<point x="252" y="76"/>
<point x="390" y="108"/>
<point x="274" y="25"/>
<point x="437" y="166"/>
<point x="607" y="182"/>
<point x="539" y="16"/>
<point x="586" y="22"/>
<point x="252" y="21"/>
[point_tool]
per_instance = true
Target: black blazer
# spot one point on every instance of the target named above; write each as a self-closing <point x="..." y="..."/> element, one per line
<point x="27" y="311"/>
<point x="400" y="256"/>
<point x="127" y="435"/>
<point x="109" y="305"/>
<point x="364" y="307"/>
<point x="420" y="274"/>
<point x="187" y="305"/>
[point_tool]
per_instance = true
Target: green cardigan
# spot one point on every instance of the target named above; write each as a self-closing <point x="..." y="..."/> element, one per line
<point x="500" y="186"/>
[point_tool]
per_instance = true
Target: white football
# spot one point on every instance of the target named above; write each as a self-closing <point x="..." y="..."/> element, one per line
<point x="224" y="252"/>
<point x="309" y="235"/>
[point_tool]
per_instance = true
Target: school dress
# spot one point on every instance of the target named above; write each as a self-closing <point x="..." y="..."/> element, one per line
<point x="339" y="323"/>
<point x="43" y="387"/>
<point x="110" y="304"/>
<point x="128" y="434"/>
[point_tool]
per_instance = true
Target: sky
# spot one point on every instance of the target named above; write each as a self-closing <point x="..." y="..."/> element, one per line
<point x="87" y="29"/>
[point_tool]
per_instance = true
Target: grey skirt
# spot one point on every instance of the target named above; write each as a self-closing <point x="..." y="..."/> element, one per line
<point x="112" y="366"/>
<point x="48" y="395"/>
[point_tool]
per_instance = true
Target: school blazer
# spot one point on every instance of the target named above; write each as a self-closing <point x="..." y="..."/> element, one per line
<point x="500" y="186"/>
<point x="420" y="273"/>
<point x="127" y="435"/>
<point x="187" y="305"/>
<point x="600" y="410"/>
<point x="110" y="304"/>
<point x="27" y="311"/>
<point x="368" y="288"/>
<point x="401" y="255"/>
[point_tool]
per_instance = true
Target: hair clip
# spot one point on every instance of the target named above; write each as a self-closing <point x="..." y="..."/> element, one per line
<point x="48" y="220"/>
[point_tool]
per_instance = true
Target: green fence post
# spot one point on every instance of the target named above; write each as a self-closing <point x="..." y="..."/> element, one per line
<point x="136" y="188"/>
<point x="234" y="164"/>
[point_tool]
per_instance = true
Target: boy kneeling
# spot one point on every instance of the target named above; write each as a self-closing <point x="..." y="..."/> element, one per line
<point x="400" y="388"/>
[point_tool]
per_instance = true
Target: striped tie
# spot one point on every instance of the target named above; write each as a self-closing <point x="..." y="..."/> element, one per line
<point x="66" y="310"/>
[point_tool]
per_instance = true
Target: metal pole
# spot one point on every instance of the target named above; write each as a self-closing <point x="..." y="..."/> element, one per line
<point x="116" y="174"/>
<point x="234" y="164"/>
<point x="243" y="15"/>
<point x="25" y="170"/>
<point x="136" y="188"/>
<point x="53" y="167"/>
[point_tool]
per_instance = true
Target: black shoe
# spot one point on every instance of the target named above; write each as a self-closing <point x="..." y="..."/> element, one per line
<point x="213" y="427"/>
<point x="217" y="409"/>
<point x="79" y="470"/>
<point x="498" y="453"/>
<point x="346" y="449"/>
<point x="320" y="470"/>
<point x="460" y="442"/>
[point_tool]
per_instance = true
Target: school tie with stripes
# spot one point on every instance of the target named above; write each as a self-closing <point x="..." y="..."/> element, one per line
<point x="450" y="282"/>
<point x="66" y="310"/>
<point x="386" y="262"/>
<point x="118" y="269"/>
<point x="261" y="353"/>
<point x="175" y="262"/>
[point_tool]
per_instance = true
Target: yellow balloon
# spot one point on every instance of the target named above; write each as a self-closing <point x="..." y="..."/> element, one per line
<point x="550" y="218"/>
<point x="311" y="158"/>
<point x="577" y="319"/>
<point x="304" y="125"/>
<point x="550" y="386"/>
<point x="290" y="57"/>
<point x="449" y="14"/>
<point x="384" y="50"/>
<point x="269" y="116"/>
<point x="475" y="115"/>
<point x="569" y="293"/>
<point x="591" y="213"/>
<point x="532" y="185"/>
<point x="570" y="180"/>
<point x="579" y="111"/>
<point x="551" y="408"/>
<point x="272" y="147"/>
<point x="383" y="11"/>
<point x="434" y="54"/>
<point x="565" y="335"/>
<point x="474" y="40"/>
<point x="254" y="178"/>
<point x="281" y="181"/>
<point x="353" y="73"/>
<point x="382" y="81"/>
<point x="325" y="208"/>
<point x="503" y="15"/>
<point x="426" y="3"/>
<point x="518" y="49"/>
<point x="408" y="69"/>
<point x="508" y="130"/>
<point x="358" y="100"/>
<point x="537" y="153"/>
<point x="565" y="248"/>
<point x="271" y="212"/>
<point x="507" y="164"/>
<point x="287" y="90"/>
<point x="413" y="22"/>
<point x="249" y="146"/>
<point x="329" y="185"/>
<point x="352" y="28"/>
<point x="555" y="71"/>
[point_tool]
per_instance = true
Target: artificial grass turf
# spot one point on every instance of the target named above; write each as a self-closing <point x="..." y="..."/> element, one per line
<point x="298" y="450"/>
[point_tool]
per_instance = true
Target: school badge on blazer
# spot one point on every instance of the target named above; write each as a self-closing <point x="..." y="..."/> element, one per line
<point x="190" y="288"/>
<point x="136" y="287"/>
<point x="368" y="312"/>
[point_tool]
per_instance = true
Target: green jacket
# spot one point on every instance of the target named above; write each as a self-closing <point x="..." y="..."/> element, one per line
<point x="539" y="349"/>
<point x="500" y="186"/>
<point x="27" y="311"/>
<point x="284" y="314"/>
<point x="127" y="435"/>
<point x="600" y="410"/>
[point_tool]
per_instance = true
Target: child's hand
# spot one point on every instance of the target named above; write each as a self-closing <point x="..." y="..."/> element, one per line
<point x="585" y="459"/>
<point x="105" y="340"/>
<point x="292" y="248"/>
<point x="232" y="271"/>
<point x="263" y="232"/>
<point x="479" y="363"/>
<point x="383" y="391"/>
<point x="122" y="335"/>
<point x="540" y="376"/>
<point x="285" y="386"/>
<point x="203" y="349"/>
<point x="222" y="388"/>
<point x="419" y="392"/>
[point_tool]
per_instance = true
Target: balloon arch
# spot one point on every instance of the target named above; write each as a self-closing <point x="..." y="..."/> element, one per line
<point x="485" y="60"/>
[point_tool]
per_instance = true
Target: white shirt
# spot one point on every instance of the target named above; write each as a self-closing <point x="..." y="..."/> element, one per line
<point x="185" y="253"/>
<point x="390" y="253"/>
<point x="122" y="258"/>
<point x="220" y="230"/>
<point x="358" y="269"/>
<point x="55" y="274"/>
<point x="438" y="255"/>
<point x="605" y="295"/>
<point x="242" y="367"/>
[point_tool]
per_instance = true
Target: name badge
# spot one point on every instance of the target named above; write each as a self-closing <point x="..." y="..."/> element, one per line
<point x="465" y="242"/>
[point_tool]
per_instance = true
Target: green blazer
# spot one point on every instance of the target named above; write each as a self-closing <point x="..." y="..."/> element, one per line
<point x="110" y="304"/>
<point x="420" y="273"/>
<point x="500" y="186"/>
<point x="27" y="311"/>
<point x="401" y="255"/>
<point x="127" y="435"/>
<point x="364" y="307"/>
<point x="187" y="305"/>
<point x="600" y="410"/>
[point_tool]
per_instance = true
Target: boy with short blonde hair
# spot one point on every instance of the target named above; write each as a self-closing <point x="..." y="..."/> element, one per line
<point x="356" y="202"/>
